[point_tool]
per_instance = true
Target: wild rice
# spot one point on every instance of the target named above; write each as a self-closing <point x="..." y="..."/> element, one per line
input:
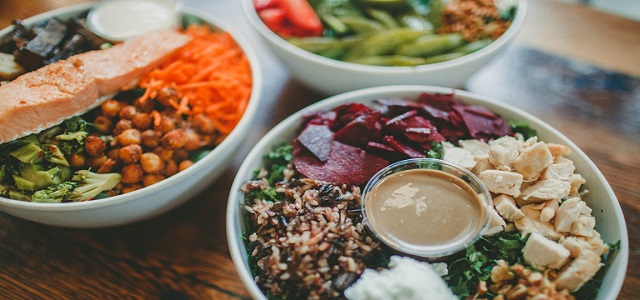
<point x="474" y="19"/>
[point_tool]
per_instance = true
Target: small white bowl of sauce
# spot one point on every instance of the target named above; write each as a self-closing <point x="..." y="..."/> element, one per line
<point x="118" y="20"/>
<point x="426" y="207"/>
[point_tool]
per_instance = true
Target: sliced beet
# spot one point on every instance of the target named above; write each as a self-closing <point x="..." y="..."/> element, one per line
<point x="346" y="164"/>
<point x="321" y="118"/>
<point x="401" y="147"/>
<point x="360" y="130"/>
<point x="317" y="139"/>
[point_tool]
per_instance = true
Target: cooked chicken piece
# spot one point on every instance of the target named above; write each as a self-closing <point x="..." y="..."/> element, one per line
<point x="502" y="182"/>
<point x="532" y="161"/>
<point x="503" y="151"/>
<point x="476" y="147"/>
<point x="507" y="208"/>
<point x="547" y="189"/>
<point x="576" y="245"/>
<point x="581" y="270"/>
<point x="558" y="150"/>
<point x="531" y="223"/>
<point x="482" y="164"/>
<point x="458" y="156"/>
<point x="496" y="224"/>
<point x="568" y="213"/>
<point x="583" y="226"/>
<point x="543" y="253"/>
<point x="561" y="170"/>
<point x="549" y="211"/>
<point x="576" y="182"/>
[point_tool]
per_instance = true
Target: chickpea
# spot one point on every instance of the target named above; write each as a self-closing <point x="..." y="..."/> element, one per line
<point x="150" y="138"/>
<point x="103" y="124"/>
<point x="108" y="166"/>
<point x="94" y="145"/>
<point x="150" y="179"/>
<point x="121" y="126"/>
<point x="131" y="173"/>
<point x="127" y="112"/>
<point x="145" y="105"/>
<point x="203" y="124"/>
<point x="180" y="155"/>
<point x="95" y="162"/>
<point x="151" y="163"/>
<point x="170" y="168"/>
<point x="130" y="154"/>
<point x="76" y="160"/>
<point x="128" y="137"/>
<point x="165" y="94"/>
<point x="192" y="140"/>
<point x="113" y="153"/>
<point x="111" y="107"/>
<point x="131" y="188"/>
<point x="164" y="153"/>
<point x="166" y="124"/>
<point x="173" y="139"/>
<point x="184" y="164"/>
<point x="141" y="121"/>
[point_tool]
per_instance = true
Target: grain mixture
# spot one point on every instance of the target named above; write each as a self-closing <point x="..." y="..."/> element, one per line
<point x="310" y="245"/>
<point x="474" y="19"/>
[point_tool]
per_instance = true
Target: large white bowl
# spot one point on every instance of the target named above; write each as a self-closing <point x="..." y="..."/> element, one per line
<point x="329" y="76"/>
<point x="160" y="197"/>
<point x="606" y="209"/>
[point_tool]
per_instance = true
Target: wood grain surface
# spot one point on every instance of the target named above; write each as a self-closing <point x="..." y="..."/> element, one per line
<point x="183" y="254"/>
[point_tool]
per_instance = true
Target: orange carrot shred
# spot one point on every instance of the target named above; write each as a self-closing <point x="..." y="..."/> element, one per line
<point x="211" y="75"/>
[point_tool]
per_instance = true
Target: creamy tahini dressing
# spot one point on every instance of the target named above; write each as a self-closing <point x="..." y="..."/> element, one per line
<point x="424" y="207"/>
<point x="123" y="19"/>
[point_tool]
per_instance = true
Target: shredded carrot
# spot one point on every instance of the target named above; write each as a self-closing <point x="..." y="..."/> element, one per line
<point x="211" y="75"/>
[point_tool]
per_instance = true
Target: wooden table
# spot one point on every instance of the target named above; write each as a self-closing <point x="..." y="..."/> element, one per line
<point x="183" y="254"/>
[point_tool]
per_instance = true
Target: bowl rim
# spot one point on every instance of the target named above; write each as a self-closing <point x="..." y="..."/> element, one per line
<point x="234" y="238"/>
<point x="234" y="138"/>
<point x="251" y="14"/>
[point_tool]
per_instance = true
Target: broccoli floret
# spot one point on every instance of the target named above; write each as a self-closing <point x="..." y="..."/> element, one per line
<point x="54" y="193"/>
<point x="28" y="154"/>
<point x="91" y="184"/>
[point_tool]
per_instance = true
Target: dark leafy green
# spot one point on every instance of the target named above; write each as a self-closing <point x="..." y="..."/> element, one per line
<point x="523" y="127"/>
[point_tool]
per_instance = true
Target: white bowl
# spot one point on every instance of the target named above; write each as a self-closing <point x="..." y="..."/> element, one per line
<point x="331" y="76"/>
<point x="606" y="209"/>
<point x="160" y="197"/>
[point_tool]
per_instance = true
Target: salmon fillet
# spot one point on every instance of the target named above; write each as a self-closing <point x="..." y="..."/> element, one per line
<point x="47" y="96"/>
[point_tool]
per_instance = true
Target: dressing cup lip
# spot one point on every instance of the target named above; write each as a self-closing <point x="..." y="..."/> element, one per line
<point x="436" y="251"/>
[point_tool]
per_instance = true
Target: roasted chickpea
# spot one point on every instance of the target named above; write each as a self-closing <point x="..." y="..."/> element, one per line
<point x="127" y="112"/>
<point x="131" y="188"/>
<point x="165" y="125"/>
<point x="166" y="94"/>
<point x="94" y="145"/>
<point x="108" y="166"/>
<point x="130" y="154"/>
<point x="141" y="121"/>
<point x="151" y="163"/>
<point x="203" y="124"/>
<point x="150" y="179"/>
<point x="128" y="137"/>
<point x="132" y="173"/>
<point x="170" y="168"/>
<point x="164" y="153"/>
<point x="113" y="153"/>
<point x="145" y="105"/>
<point x="150" y="138"/>
<point x="192" y="140"/>
<point x="173" y="139"/>
<point x="111" y="108"/>
<point x="184" y="164"/>
<point x="180" y="155"/>
<point x="95" y="162"/>
<point x="103" y="124"/>
<point x="76" y="160"/>
<point x="121" y="126"/>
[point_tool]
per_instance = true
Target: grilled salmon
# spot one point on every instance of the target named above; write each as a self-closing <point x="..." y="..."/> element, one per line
<point x="45" y="97"/>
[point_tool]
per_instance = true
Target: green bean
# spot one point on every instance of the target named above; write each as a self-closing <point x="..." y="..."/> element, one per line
<point x="473" y="46"/>
<point x="334" y="23"/>
<point x="383" y="17"/>
<point x="383" y="42"/>
<point x="384" y="3"/>
<point x="321" y="44"/>
<point x="389" y="60"/>
<point x="335" y="53"/>
<point x="443" y="57"/>
<point x="416" y="22"/>
<point x="431" y="45"/>
<point x="360" y="24"/>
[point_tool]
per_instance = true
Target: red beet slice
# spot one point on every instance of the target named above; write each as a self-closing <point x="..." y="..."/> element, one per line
<point x="360" y="130"/>
<point x="317" y="139"/>
<point x="402" y="148"/>
<point x="346" y="164"/>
